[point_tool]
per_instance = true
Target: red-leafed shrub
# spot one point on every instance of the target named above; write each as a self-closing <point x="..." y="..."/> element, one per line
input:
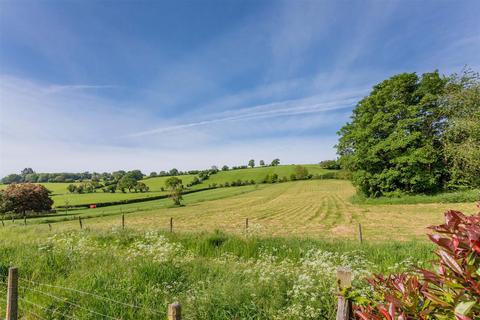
<point x="23" y="198"/>
<point x="452" y="291"/>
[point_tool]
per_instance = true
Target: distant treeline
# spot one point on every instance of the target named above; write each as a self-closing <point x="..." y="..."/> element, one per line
<point x="29" y="175"/>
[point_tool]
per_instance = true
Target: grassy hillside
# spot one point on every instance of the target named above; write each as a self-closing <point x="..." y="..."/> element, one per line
<point x="97" y="197"/>
<point x="316" y="208"/>
<point x="155" y="184"/>
<point x="258" y="174"/>
<point x="189" y="199"/>
<point x="61" y="196"/>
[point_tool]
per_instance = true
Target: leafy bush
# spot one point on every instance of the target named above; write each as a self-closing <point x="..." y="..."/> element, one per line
<point x="450" y="292"/>
<point x="25" y="198"/>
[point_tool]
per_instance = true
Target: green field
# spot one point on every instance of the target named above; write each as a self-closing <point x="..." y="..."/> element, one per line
<point x="285" y="262"/>
<point x="99" y="197"/>
<point x="62" y="197"/>
<point x="313" y="208"/>
<point x="155" y="184"/>
<point x="258" y="174"/>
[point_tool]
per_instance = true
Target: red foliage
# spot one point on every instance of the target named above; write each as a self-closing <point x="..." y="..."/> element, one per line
<point x="24" y="197"/>
<point x="450" y="292"/>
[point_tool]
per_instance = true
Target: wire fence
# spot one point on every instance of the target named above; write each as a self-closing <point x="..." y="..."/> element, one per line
<point x="53" y="303"/>
<point x="35" y="300"/>
<point x="27" y="284"/>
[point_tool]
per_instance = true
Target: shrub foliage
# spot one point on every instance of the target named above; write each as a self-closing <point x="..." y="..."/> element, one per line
<point x="452" y="291"/>
<point x="25" y="197"/>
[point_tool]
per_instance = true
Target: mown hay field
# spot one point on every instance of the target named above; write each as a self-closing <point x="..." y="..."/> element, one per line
<point x="315" y="208"/>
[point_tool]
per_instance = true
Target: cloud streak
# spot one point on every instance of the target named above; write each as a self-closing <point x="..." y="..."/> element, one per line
<point x="77" y="87"/>
<point x="282" y="109"/>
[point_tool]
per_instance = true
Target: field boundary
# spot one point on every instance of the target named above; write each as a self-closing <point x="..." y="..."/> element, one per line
<point x="173" y="312"/>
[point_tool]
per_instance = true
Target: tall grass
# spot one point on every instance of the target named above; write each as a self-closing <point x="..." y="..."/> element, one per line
<point x="213" y="275"/>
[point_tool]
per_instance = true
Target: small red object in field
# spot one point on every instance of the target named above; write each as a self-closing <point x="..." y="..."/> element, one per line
<point x="93" y="206"/>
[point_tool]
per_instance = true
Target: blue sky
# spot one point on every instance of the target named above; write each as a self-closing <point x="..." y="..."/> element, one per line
<point x="107" y="85"/>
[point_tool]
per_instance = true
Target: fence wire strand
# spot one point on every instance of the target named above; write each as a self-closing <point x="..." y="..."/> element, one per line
<point x="45" y="309"/>
<point x="95" y="296"/>
<point x="36" y="315"/>
<point x="63" y="299"/>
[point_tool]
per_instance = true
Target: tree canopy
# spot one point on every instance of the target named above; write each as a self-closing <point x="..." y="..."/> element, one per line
<point x="175" y="186"/>
<point x="396" y="140"/>
<point x="24" y="197"/>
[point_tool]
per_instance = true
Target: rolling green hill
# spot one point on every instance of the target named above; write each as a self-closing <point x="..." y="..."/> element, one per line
<point x="155" y="184"/>
<point x="258" y="174"/>
<point x="61" y="196"/>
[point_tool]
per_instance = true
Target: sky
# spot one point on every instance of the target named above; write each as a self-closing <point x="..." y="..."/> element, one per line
<point x="152" y="85"/>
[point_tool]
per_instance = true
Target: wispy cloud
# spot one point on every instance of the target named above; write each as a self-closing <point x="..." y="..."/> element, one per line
<point x="77" y="87"/>
<point x="279" y="109"/>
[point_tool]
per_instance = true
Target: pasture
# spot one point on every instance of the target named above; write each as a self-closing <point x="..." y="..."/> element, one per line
<point x="98" y="197"/>
<point x="283" y="264"/>
<point x="62" y="197"/>
<point x="313" y="208"/>
<point x="258" y="174"/>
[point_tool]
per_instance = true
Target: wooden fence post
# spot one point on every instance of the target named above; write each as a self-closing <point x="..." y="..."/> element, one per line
<point x="3" y="224"/>
<point x="246" y="226"/>
<point x="49" y="227"/>
<point x="344" y="280"/>
<point x="123" y="221"/>
<point x="80" y="222"/>
<point x="171" y="225"/>
<point x="25" y="220"/>
<point x="12" y="295"/>
<point x="175" y="311"/>
<point x="360" y="236"/>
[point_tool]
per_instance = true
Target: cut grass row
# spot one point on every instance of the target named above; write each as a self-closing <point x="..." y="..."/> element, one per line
<point x="317" y="209"/>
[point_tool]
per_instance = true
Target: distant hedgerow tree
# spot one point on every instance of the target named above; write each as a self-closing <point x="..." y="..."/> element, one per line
<point x="262" y="163"/>
<point x="12" y="178"/>
<point x="301" y="173"/>
<point x="251" y="163"/>
<point x="71" y="188"/>
<point x="175" y="186"/>
<point x="330" y="164"/>
<point x="27" y="171"/>
<point x="275" y="162"/>
<point x="127" y="182"/>
<point x="142" y="187"/>
<point x="225" y="168"/>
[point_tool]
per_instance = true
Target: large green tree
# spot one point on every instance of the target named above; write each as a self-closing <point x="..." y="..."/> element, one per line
<point x="462" y="137"/>
<point x="394" y="140"/>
